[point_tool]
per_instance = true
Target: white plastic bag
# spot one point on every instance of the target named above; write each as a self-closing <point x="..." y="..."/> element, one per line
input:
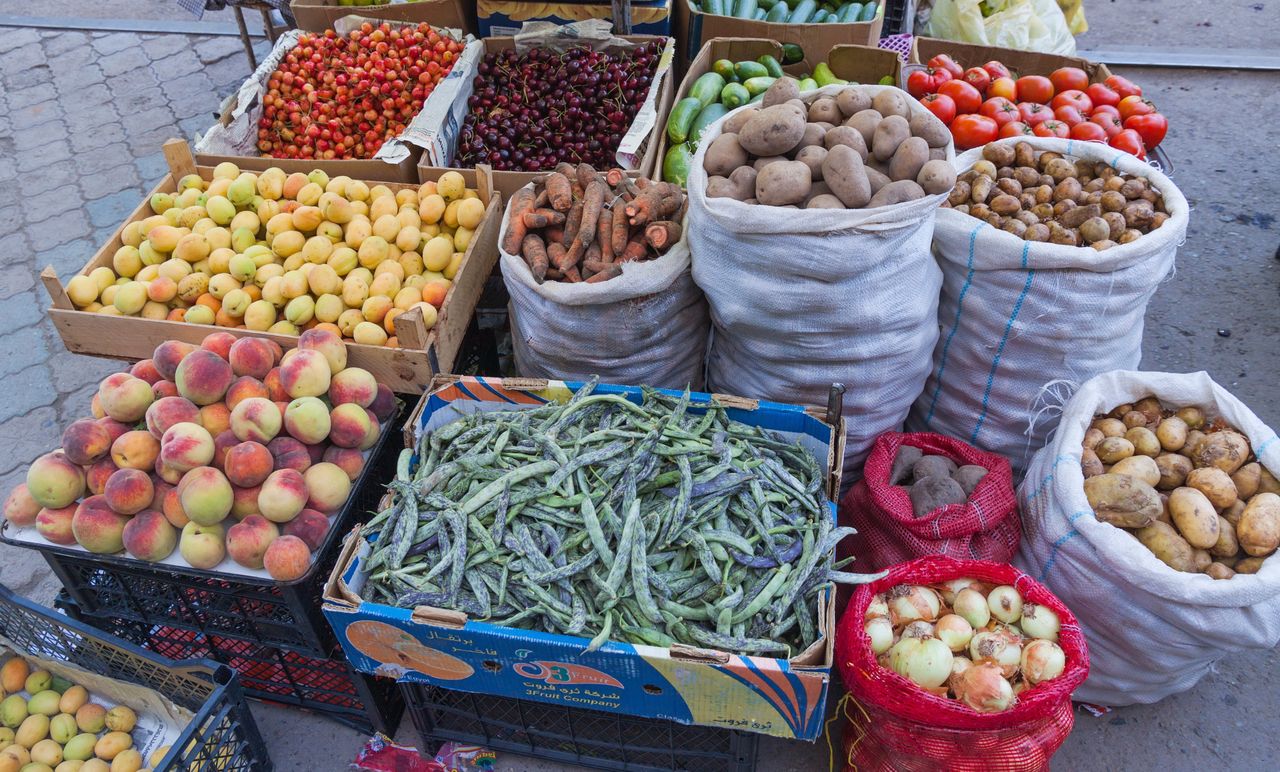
<point x="801" y="299"/>
<point x="1152" y="631"/>
<point x="1017" y="315"/>
<point x="1028" y="25"/>
<point x="647" y="327"/>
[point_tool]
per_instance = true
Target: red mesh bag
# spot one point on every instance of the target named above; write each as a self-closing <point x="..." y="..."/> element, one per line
<point x="986" y="527"/>
<point x="892" y="724"/>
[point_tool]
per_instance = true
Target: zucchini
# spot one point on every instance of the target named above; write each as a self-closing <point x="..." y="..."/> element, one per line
<point x="681" y="119"/>
<point x="818" y="16"/>
<point x="760" y="14"/>
<point x="745" y="70"/>
<point x="825" y="77"/>
<point x="792" y="53"/>
<point x="767" y="4"/>
<point x="808" y="84"/>
<point x="804" y="9"/>
<point x="675" y="165"/>
<point x="849" y="12"/>
<point x="745" y="9"/>
<point x="758" y="85"/>
<point x="778" y="13"/>
<point x="757" y="99"/>
<point x="724" y="68"/>
<point x="734" y="95"/>
<point x="868" y="12"/>
<point x="709" y="115"/>
<point x="771" y="64"/>
<point x="706" y="89"/>
<point x="713" y="7"/>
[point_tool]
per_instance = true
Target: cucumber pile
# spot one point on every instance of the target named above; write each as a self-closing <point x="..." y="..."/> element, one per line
<point x="793" y="12"/>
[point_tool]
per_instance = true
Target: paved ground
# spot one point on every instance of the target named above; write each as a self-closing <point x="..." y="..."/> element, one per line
<point x="82" y="116"/>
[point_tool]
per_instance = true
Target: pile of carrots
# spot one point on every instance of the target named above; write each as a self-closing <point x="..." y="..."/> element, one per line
<point x="578" y="225"/>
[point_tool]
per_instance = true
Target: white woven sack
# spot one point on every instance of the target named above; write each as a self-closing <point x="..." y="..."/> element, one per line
<point x="647" y="327"/>
<point x="803" y="298"/>
<point x="1152" y="631"/>
<point x="1016" y="315"/>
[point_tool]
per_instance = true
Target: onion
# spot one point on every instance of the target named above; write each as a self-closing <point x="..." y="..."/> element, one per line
<point x="918" y="629"/>
<point x="1042" y="661"/>
<point x="1020" y="686"/>
<point x="925" y="661"/>
<point x="1040" y="622"/>
<point x="881" y="634"/>
<point x="1005" y="603"/>
<point x="954" y="631"/>
<point x="1003" y="647"/>
<point x="910" y="602"/>
<point x="984" y="688"/>
<point x="972" y="607"/>
<point x="878" y="607"/>
<point x="959" y="664"/>
<point x="951" y="587"/>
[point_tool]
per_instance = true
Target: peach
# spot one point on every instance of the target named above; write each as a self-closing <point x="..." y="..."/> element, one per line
<point x="202" y="546"/>
<point x="219" y="343"/>
<point x="275" y="387"/>
<point x="353" y="384"/>
<point x="124" y="397"/>
<point x="167" y="473"/>
<point x="146" y="370"/>
<point x="244" y="501"/>
<point x="96" y="476"/>
<point x="114" y="427"/>
<point x="307" y="419"/>
<point x="375" y="431"/>
<point x="249" y="539"/>
<point x="162" y="389"/>
<point x="349" y="425"/>
<point x="317" y="450"/>
<point x="215" y="418"/>
<point x="244" y="387"/>
<point x="203" y="377"/>
<point x="186" y="446"/>
<point x="129" y="491"/>
<point x="287" y="559"/>
<point x="135" y="450"/>
<point x="168" y="355"/>
<point x="328" y="486"/>
<point x="171" y="506"/>
<point x="85" y="441"/>
<point x="97" y="528"/>
<point x="248" y="464"/>
<point x="305" y="374"/>
<point x="167" y="411"/>
<point x="95" y="407"/>
<point x="54" y="481"/>
<point x="20" y="509"/>
<point x="384" y="405"/>
<point x="221" y="445"/>
<point x="252" y="356"/>
<point x="150" y="537"/>
<point x="206" y="496"/>
<point x="349" y="460"/>
<point x="289" y="453"/>
<point x="256" y="419"/>
<point x="54" y="524"/>
<point x="283" y="495"/>
<point x="310" y="526"/>
<point x="328" y="344"/>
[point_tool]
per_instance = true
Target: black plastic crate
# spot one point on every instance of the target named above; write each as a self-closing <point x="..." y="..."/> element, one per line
<point x="221" y="736"/>
<point x="575" y="735"/>
<point x="899" y="17"/>
<point x="278" y="614"/>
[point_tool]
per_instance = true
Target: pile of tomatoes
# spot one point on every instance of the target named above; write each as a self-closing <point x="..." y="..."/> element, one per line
<point x="985" y="103"/>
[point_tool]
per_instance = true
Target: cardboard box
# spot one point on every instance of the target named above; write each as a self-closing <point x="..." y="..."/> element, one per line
<point x="696" y="28"/>
<point x="785" y="698"/>
<point x="1020" y="62"/>
<point x="321" y="14"/>
<point x="850" y="62"/>
<point x="407" y="370"/>
<point x="505" y="17"/>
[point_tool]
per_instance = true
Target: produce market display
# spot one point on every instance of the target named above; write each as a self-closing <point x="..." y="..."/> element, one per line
<point x="793" y="12"/>
<point x="933" y="481"/>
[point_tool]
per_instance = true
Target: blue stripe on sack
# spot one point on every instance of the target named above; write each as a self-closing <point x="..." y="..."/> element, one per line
<point x="1049" y="477"/>
<point x="964" y="290"/>
<point x="1057" y="545"/>
<point x="1258" y="451"/>
<point x="995" y="363"/>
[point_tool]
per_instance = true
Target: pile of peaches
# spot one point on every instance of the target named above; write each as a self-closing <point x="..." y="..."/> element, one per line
<point x="230" y="449"/>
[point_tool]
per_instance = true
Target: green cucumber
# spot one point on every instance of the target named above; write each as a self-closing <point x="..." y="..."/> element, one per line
<point x="887" y="81"/>
<point x="757" y="99"/>
<point x="724" y="68"/>
<point x="675" y="165"/>
<point x="804" y="10"/>
<point x="868" y="12"/>
<point x="772" y="65"/>
<point x="768" y="4"/>
<point x="745" y="9"/>
<point x="745" y="70"/>
<point x="849" y="12"/>
<point x="709" y="115"/>
<point x="713" y="7"/>
<point x="778" y="13"/>
<point x="760" y="14"/>
<point x="706" y="89"/>
<point x="808" y="84"/>
<point x="818" y="16"/>
<point x="681" y="118"/>
<point x="792" y="53"/>
<point x="758" y="85"/>
<point x="734" y="95"/>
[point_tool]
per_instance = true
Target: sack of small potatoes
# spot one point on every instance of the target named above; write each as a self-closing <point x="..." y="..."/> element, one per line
<point x="597" y="267"/>
<point x="1050" y="250"/>
<point x="926" y="494"/>
<point x="1155" y="514"/>
<point x="810" y="220"/>
<point x="957" y="665"/>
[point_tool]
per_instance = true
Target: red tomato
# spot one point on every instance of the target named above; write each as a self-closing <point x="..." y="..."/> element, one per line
<point x="1069" y="115"/>
<point x="1111" y="110"/>
<point x="1102" y="94"/>
<point x="945" y="62"/>
<point x="1052" y="129"/>
<point x="1069" y="78"/>
<point x="940" y="105"/>
<point x="1033" y="113"/>
<point x="978" y="78"/>
<point x="1016" y="129"/>
<point x="973" y="130"/>
<point x="1135" y="105"/>
<point x="1073" y="98"/>
<point x="1109" y="123"/>
<point x="1034" y="88"/>
<point x="966" y="97"/>
<point x="1003" y="87"/>
<point x="997" y="70"/>
<point x="1151" y="127"/>
<point x="1000" y="110"/>
<point x="1130" y="142"/>
<point x="1089" y="132"/>
<point x="921" y="82"/>
<point x="1123" y="86"/>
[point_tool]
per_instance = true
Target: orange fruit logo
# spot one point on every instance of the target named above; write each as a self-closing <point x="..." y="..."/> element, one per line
<point x="391" y="645"/>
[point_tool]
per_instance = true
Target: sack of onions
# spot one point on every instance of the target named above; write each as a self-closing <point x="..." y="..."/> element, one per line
<point x="928" y="494"/>
<point x="958" y="665"/>
<point x="1160" y="537"/>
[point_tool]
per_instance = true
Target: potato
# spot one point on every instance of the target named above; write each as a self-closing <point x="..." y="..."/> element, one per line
<point x="1089" y="463"/>
<point x="813" y="156"/>
<point x="936" y="177"/>
<point x="1267" y="482"/>
<point x="825" y="109"/>
<point x="1259" y="528"/>
<point x="891" y="101"/>
<point x="877" y="179"/>
<point x="1172" y="433"/>
<point x="824" y="201"/>
<point x="1174" y="469"/>
<point x="1112" y="449"/>
<point x="781" y="91"/>
<point x="1110" y="427"/>
<point x="1226" y="450"/>
<point x="852" y="101"/>
<point x="1249" y="565"/>
<point x="1140" y="467"/>
<point x="1195" y="517"/>
<point x="969" y="476"/>
<point x="1144" y="441"/>
<point x="1192" y="416"/>
<point x="866" y="122"/>
<point x="1232" y="513"/>
<point x="1219" y="571"/>
<point x="845" y="135"/>
<point x="773" y="131"/>
<point x="1122" y="501"/>
<point x="891" y="133"/>
<point x="783" y="182"/>
<point x="734" y="123"/>
<point x="1200" y="560"/>
<point x="1165" y="543"/>
<point x="740" y="185"/>
<point x="896" y="193"/>
<point x="909" y="158"/>
<point x="842" y="170"/>
<point x="1215" y="484"/>
<point x="724" y="155"/>
<point x="932" y="466"/>
<point x="1226" y="546"/>
<point x="930" y="493"/>
<point x="1164" y="515"/>
<point x="760" y="163"/>
<point x="1194" y="438"/>
<point x="1133" y="418"/>
<point x="813" y="134"/>
<point x="1092" y="437"/>
<point x="934" y="132"/>
<point x="1247" y="479"/>
<point x="903" y="464"/>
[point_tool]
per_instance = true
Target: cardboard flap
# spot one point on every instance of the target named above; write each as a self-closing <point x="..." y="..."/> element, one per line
<point x="742" y="403"/>
<point x="685" y="653"/>
<point x="863" y="63"/>
<point x="336" y="591"/>
<point x="439" y="617"/>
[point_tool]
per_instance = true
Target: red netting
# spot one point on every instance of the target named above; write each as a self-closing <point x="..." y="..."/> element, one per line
<point x="986" y="527"/>
<point x="894" y="724"/>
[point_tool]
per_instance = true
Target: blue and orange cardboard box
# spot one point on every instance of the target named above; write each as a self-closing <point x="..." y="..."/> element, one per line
<point x="689" y="685"/>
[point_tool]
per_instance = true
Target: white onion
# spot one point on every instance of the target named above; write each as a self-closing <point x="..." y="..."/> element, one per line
<point x="909" y="602"/>
<point x="950" y="587"/>
<point x="954" y="631"/>
<point x="1042" y="661"/>
<point x="925" y="661"/>
<point x="959" y="664"/>
<point x="984" y="688"/>
<point x="918" y="629"/>
<point x="1002" y="647"/>
<point x="1005" y="603"/>
<point x="881" y="634"/>
<point x="878" y="607"/>
<point x="1040" y="622"/>
<point x="971" y="606"/>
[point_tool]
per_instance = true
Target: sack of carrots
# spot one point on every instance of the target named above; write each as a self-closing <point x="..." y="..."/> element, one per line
<point x="598" y="270"/>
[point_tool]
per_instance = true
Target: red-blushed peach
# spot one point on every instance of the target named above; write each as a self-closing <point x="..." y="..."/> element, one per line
<point x="375" y="431"/>
<point x="248" y="464"/>
<point x="162" y="389"/>
<point x="276" y="350"/>
<point x="202" y="546"/>
<point x="353" y="384"/>
<point x="97" y="527"/>
<point x="305" y="374"/>
<point x="203" y="377"/>
<point x="171" y="506"/>
<point x="328" y="344"/>
<point x="256" y="419"/>
<point x="287" y="559"/>
<point x="348" y="425"/>
<point x="384" y="405"/>
<point x="275" y="386"/>
<point x="135" y="450"/>
<point x="167" y="411"/>
<point x="86" y="441"/>
<point x="95" y="407"/>
<point x="161" y="489"/>
<point x="149" y="536"/>
<point x="243" y="388"/>
<point x="283" y="495"/>
<point x="206" y="495"/>
<point x="167" y="473"/>
<point x="221" y="444"/>
<point x="167" y="356"/>
<point x="248" y="540"/>
<point x="327" y="487"/>
<point x="307" y="420"/>
<point x="219" y="343"/>
<point x="281" y="406"/>
<point x="146" y="370"/>
<point x="54" y="524"/>
<point x="114" y="428"/>
<point x="289" y="454"/>
<point x="349" y="460"/>
<point x="186" y="446"/>
<point x="252" y="356"/>
<point x="310" y="526"/>
<point x="53" y="481"/>
<point x="244" y="501"/>
<point x="216" y="418"/>
<point x="129" y="491"/>
<point x="124" y="397"/>
<point x="19" y="508"/>
<point x="96" y="476"/>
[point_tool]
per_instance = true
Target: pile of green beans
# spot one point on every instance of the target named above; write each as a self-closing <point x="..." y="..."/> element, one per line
<point x="646" y="523"/>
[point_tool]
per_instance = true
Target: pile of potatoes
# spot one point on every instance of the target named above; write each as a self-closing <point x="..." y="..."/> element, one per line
<point x="1189" y="489"/>
<point x="932" y="481"/>
<point x="1045" y="196"/>
<point x="847" y="151"/>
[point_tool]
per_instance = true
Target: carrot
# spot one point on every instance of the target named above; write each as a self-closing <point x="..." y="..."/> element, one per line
<point x="586" y="175"/>
<point x="661" y="235"/>
<point x="610" y="271"/>
<point x="555" y="274"/>
<point x="556" y="253"/>
<point x="615" y="176"/>
<point x="592" y="253"/>
<point x="567" y="169"/>
<point x="571" y="273"/>
<point x="541" y="200"/>
<point x="644" y="209"/>
<point x="672" y="200"/>
<point x="572" y="224"/>
<point x="642" y="183"/>
<point x="541" y="218"/>
<point x="604" y="235"/>
<point x="636" y="249"/>
<point x="621" y="233"/>
<point x="592" y="204"/>
<point x="535" y="254"/>
<point x="595" y="266"/>
<point x="554" y="234"/>
<point x="559" y="191"/>
<point x="521" y="202"/>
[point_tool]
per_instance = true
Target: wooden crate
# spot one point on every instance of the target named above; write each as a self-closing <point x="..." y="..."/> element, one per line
<point x="407" y="369"/>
